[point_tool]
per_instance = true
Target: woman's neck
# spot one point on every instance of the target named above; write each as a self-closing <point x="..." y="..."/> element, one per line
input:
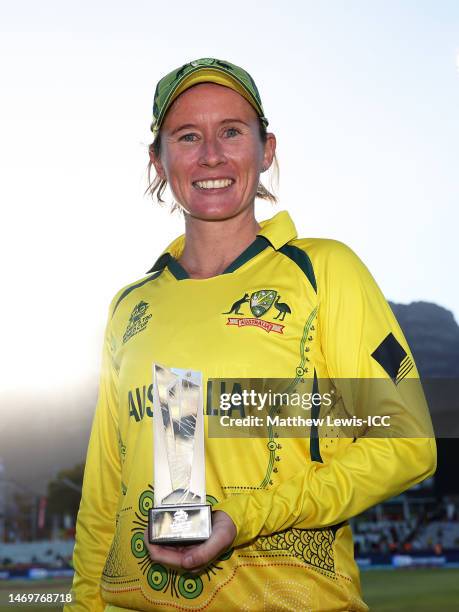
<point x="211" y="246"/>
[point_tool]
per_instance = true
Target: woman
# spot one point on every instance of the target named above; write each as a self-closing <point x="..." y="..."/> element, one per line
<point x="234" y="298"/>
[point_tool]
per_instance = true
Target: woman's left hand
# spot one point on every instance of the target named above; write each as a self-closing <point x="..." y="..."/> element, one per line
<point x="196" y="556"/>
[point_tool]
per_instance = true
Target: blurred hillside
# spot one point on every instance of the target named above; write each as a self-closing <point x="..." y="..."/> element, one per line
<point x="433" y="336"/>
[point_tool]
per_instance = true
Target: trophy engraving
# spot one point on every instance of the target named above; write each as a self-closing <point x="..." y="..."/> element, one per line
<point x="180" y="514"/>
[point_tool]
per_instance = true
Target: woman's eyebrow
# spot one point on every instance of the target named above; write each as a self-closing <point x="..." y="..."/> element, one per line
<point x="234" y="121"/>
<point x="185" y="126"/>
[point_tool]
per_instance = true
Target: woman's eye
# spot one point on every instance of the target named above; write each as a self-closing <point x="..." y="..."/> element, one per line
<point x="188" y="137"/>
<point x="232" y="132"/>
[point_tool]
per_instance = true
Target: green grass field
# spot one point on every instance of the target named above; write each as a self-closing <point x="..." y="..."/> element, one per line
<point x="416" y="590"/>
<point x="419" y="590"/>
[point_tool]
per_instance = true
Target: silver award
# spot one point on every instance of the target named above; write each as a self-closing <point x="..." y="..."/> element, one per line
<point x="181" y="514"/>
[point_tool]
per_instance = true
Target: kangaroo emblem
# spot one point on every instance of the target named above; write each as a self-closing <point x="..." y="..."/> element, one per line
<point x="235" y="307"/>
<point x="282" y="307"/>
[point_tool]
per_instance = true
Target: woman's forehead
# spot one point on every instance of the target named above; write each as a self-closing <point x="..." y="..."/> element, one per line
<point x="209" y="100"/>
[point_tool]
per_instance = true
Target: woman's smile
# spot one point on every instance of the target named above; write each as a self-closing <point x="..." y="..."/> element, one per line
<point x="219" y="184"/>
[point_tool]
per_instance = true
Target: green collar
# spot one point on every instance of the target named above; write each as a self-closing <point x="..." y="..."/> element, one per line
<point x="277" y="231"/>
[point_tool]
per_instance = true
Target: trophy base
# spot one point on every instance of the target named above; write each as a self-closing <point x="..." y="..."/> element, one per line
<point x="179" y="524"/>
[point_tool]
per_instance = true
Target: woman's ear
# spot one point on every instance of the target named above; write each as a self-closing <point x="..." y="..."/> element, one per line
<point x="156" y="161"/>
<point x="269" y="151"/>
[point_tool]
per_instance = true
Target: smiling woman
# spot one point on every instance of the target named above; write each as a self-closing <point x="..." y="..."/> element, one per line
<point x="213" y="164"/>
<point x="233" y="129"/>
<point x="234" y="298"/>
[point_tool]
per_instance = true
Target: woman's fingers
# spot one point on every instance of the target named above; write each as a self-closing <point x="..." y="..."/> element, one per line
<point x="223" y="534"/>
<point x="169" y="555"/>
<point x="196" y="556"/>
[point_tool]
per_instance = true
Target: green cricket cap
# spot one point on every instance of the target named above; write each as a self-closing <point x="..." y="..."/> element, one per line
<point x="205" y="70"/>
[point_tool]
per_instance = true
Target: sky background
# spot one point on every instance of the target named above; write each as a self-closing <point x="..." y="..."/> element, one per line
<point x="362" y="96"/>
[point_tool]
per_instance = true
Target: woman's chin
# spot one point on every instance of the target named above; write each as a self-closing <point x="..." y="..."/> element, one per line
<point x="213" y="210"/>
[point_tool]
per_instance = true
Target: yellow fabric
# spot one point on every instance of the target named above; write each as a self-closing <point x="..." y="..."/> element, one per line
<point x="279" y="230"/>
<point x="294" y="547"/>
<point x="206" y="75"/>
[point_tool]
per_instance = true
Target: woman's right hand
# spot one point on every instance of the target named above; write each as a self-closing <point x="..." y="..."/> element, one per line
<point x="195" y="557"/>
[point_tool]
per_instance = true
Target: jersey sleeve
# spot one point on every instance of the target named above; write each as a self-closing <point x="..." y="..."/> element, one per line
<point x="360" y="339"/>
<point x="101" y="486"/>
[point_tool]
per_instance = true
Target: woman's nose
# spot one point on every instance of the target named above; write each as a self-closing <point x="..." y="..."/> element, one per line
<point x="212" y="153"/>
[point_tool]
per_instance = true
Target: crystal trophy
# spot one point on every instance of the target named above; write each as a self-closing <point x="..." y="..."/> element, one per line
<point x="180" y="514"/>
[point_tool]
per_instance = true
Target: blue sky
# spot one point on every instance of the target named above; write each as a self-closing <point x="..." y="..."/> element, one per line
<point x="363" y="98"/>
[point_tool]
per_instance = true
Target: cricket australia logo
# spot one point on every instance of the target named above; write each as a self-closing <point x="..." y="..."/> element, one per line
<point x="137" y="321"/>
<point x="260" y="303"/>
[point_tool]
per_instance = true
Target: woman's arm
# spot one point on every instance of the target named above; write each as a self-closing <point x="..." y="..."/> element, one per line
<point x="360" y="339"/>
<point x="101" y="489"/>
<point x="371" y="470"/>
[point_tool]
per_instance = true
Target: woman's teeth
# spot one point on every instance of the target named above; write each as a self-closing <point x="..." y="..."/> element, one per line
<point x="218" y="184"/>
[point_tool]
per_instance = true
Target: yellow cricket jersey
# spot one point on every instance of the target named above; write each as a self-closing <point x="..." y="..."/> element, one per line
<point x="289" y="498"/>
